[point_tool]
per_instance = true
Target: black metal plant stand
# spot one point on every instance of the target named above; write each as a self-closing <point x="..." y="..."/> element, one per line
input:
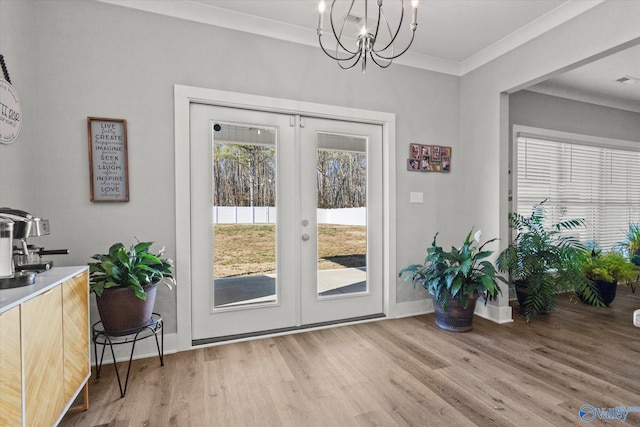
<point x="100" y="337"/>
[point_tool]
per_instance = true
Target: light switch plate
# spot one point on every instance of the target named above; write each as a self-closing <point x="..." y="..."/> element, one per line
<point x="415" y="197"/>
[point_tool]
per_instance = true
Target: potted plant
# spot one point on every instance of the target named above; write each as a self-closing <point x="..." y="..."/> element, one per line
<point x="541" y="261"/>
<point x="631" y="243"/>
<point x="606" y="271"/>
<point x="125" y="284"/>
<point x="456" y="279"/>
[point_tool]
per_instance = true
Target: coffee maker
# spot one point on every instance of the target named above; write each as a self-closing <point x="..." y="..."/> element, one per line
<point x="19" y="265"/>
<point x="6" y="247"/>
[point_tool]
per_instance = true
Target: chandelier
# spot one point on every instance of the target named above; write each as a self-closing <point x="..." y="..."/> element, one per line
<point x="374" y="39"/>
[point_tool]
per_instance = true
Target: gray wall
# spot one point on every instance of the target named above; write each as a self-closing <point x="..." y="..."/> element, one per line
<point x="73" y="59"/>
<point x="484" y="105"/>
<point x="551" y="112"/>
<point x="17" y="183"/>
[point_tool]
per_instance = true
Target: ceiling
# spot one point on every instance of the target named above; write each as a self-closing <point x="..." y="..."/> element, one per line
<point x="453" y="36"/>
<point x="450" y="30"/>
<point x="598" y="83"/>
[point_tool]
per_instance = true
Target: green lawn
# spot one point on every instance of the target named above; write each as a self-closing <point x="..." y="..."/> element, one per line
<point x="241" y="249"/>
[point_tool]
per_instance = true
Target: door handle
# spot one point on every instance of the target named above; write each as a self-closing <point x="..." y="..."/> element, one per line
<point x="305" y="237"/>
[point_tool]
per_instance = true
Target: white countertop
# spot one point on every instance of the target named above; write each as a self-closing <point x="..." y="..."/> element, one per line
<point x="10" y="298"/>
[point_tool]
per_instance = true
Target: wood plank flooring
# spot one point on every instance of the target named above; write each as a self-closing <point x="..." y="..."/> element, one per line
<point x="403" y="372"/>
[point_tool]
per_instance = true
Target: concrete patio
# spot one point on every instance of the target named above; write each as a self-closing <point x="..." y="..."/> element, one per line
<point x="255" y="289"/>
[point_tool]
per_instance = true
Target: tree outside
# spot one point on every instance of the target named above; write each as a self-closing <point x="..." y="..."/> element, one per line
<point x="244" y="175"/>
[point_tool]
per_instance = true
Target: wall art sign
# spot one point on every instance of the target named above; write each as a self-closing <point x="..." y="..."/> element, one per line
<point x="108" y="164"/>
<point x="10" y="113"/>
<point x="429" y="158"/>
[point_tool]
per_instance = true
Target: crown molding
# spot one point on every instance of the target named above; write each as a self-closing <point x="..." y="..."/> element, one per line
<point x="543" y="24"/>
<point x="220" y="17"/>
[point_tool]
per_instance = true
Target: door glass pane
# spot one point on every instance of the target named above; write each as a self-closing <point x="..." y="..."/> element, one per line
<point x="244" y="215"/>
<point x="342" y="213"/>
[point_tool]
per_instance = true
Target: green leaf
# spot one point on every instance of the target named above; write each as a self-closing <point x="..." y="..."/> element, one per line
<point x="140" y="293"/>
<point x="150" y="259"/>
<point x="111" y="269"/>
<point x="142" y="247"/>
<point x="111" y="284"/>
<point x="456" y="285"/>
<point x="113" y="251"/>
<point x="98" y="288"/>
<point x="123" y="257"/>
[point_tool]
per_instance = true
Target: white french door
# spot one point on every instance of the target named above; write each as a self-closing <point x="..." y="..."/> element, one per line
<point x="350" y="288"/>
<point x="265" y="258"/>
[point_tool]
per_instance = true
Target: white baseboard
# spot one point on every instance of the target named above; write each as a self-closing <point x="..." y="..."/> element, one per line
<point x="489" y="311"/>
<point x="413" y="308"/>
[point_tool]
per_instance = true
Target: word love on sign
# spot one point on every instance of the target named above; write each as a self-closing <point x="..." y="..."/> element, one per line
<point x="108" y="163"/>
<point x="10" y="113"/>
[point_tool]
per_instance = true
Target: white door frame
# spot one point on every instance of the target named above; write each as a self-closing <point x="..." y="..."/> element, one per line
<point x="183" y="96"/>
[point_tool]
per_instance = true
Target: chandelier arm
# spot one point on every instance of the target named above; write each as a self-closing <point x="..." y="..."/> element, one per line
<point x="379" y="64"/>
<point x="344" y="22"/>
<point x="349" y="66"/>
<point x="389" y="58"/>
<point x="336" y="58"/>
<point x="380" y="13"/>
<point x="393" y="39"/>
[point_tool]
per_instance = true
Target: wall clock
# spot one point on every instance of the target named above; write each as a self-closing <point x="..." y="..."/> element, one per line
<point x="10" y="113"/>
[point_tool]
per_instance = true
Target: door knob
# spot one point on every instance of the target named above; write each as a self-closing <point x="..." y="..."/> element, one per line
<point x="305" y="237"/>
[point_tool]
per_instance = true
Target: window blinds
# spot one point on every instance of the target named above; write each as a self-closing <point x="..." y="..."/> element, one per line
<point x="599" y="184"/>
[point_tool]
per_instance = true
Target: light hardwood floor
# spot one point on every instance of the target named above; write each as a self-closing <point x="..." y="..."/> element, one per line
<point x="403" y="372"/>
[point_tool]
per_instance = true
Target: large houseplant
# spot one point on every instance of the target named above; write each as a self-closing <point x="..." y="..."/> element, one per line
<point x="605" y="271"/>
<point x="541" y="261"/>
<point x="125" y="284"/>
<point x="456" y="279"/>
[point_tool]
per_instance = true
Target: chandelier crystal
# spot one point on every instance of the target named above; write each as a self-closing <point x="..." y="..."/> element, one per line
<point x="375" y="40"/>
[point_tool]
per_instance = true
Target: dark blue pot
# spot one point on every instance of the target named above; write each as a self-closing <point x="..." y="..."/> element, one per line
<point x="606" y="291"/>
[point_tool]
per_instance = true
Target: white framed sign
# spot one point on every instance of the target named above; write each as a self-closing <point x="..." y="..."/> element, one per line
<point x="10" y="113"/>
<point x="108" y="163"/>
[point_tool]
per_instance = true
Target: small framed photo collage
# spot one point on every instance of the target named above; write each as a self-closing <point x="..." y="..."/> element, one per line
<point x="429" y="158"/>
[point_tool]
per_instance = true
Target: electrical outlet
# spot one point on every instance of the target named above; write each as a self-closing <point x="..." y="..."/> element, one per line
<point x="415" y="197"/>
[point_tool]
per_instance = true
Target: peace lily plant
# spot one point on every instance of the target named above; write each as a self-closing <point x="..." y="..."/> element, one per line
<point x="459" y="276"/>
<point x="133" y="269"/>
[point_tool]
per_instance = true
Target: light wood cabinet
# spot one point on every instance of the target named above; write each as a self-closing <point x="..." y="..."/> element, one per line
<point x="10" y="369"/>
<point x="44" y="353"/>
<point x="75" y="323"/>
<point x="43" y="368"/>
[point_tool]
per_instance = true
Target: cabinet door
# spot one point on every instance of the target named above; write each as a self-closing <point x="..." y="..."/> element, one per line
<point x="75" y="318"/>
<point x="10" y="369"/>
<point x="42" y="349"/>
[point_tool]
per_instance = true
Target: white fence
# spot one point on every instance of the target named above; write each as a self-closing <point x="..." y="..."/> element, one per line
<point x="267" y="215"/>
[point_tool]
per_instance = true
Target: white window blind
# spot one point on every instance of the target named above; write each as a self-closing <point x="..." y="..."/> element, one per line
<point x="599" y="184"/>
